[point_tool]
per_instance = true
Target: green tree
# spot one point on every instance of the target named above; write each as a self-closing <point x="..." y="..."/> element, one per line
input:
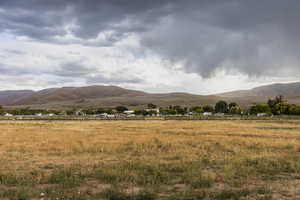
<point x="196" y="109"/>
<point x="221" y="107"/>
<point x="294" y="110"/>
<point x="1" y="110"/>
<point x="260" y="108"/>
<point x="281" y="108"/>
<point x="100" y="111"/>
<point x="208" y="108"/>
<point x="151" y="106"/>
<point x="232" y="104"/>
<point x="235" y="110"/>
<point x="121" y="109"/>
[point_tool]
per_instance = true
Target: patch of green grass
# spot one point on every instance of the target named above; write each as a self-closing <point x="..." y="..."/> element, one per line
<point x="15" y="194"/>
<point x="67" y="177"/>
<point x="267" y="168"/>
<point x="13" y="179"/>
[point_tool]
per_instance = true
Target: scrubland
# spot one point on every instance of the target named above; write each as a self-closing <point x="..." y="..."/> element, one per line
<point x="148" y="160"/>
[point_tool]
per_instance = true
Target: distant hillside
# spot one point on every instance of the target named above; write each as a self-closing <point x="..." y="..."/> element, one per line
<point x="10" y="97"/>
<point x="92" y="96"/>
<point x="288" y="90"/>
<point x="291" y="91"/>
<point x="56" y="95"/>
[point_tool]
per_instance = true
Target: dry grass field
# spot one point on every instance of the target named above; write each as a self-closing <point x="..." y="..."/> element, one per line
<point x="147" y="160"/>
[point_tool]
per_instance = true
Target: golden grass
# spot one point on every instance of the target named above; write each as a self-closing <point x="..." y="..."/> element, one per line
<point x="232" y="154"/>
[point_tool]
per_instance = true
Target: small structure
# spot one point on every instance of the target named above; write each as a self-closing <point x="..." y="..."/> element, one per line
<point x="38" y="114"/>
<point x="8" y="115"/>
<point x="262" y="114"/>
<point x="207" y="114"/>
<point x="80" y="113"/>
<point x="188" y="114"/>
<point x="129" y="112"/>
<point x="103" y="115"/>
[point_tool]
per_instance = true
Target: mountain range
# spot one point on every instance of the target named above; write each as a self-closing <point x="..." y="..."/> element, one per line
<point x="92" y="96"/>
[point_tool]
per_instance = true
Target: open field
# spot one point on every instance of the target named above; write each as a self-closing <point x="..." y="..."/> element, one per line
<point x="147" y="160"/>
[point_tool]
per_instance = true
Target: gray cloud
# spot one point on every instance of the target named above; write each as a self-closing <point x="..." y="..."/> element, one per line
<point x="257" y="37"/>
<point x="92" y="75"/>
<point x="114" y="78"/>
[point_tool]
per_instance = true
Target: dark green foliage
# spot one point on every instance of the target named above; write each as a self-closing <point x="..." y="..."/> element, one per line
<point x="121" y="109"/>
<point x="221" y="107"/>
<point x="208" y="108"/>
<point x="260" y="108"/>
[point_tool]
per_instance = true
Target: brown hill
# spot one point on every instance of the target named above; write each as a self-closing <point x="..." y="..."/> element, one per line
<point x="92" y="96"/>
<point x="287" y="89"/>
<point x="291" y="91"/>
<point x="10" y="97"/>
<point x="56" y="95"/>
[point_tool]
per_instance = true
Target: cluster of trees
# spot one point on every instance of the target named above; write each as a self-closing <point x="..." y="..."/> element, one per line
<point x="276" y="106"/>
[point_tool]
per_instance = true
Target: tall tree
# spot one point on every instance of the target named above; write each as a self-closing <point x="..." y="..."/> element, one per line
<point x="221" y="107"/>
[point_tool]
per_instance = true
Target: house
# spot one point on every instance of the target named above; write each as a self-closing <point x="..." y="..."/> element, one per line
<point x="188" y="114"/>
<point x="153" y="111"/>
<point x="38" y="114"/>
<point x="8" y="115"/>
<point x="79" y="112"/>
<point x="262" y="114"/>
<point x="103" y="115"/>
<point x="131" y="115"/>
<point x="129" y="112"/>
<point x="207" y="114"/>
<point x="51" y="114"/>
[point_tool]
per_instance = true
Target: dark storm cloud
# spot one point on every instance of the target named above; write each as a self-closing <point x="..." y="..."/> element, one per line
<point x="43" y="20"/>
<point x="257" y="37"/>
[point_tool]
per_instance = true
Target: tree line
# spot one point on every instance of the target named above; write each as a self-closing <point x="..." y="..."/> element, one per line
<point x="276" y="106"/>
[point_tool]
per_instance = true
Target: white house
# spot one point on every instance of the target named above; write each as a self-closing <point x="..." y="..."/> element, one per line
<point x="8" y="115"/>
<point x="38" y="114"/>
<point x="262" y="114"/>
<point x="207" y="114"/>
<point x="153" y="111"/>
<point x="79" y="112"/>
<point x="129" y="112"/>
<point x="103" y="115"/>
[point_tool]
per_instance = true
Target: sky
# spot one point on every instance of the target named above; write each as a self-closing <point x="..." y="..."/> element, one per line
<point x="195" y="46"/>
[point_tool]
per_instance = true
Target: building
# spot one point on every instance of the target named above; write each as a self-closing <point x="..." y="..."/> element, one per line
<point x="262" y="114"/>
<point x="207" y="114"/>
<point x="153" y="111"/>
<point x="129" y="112"/>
